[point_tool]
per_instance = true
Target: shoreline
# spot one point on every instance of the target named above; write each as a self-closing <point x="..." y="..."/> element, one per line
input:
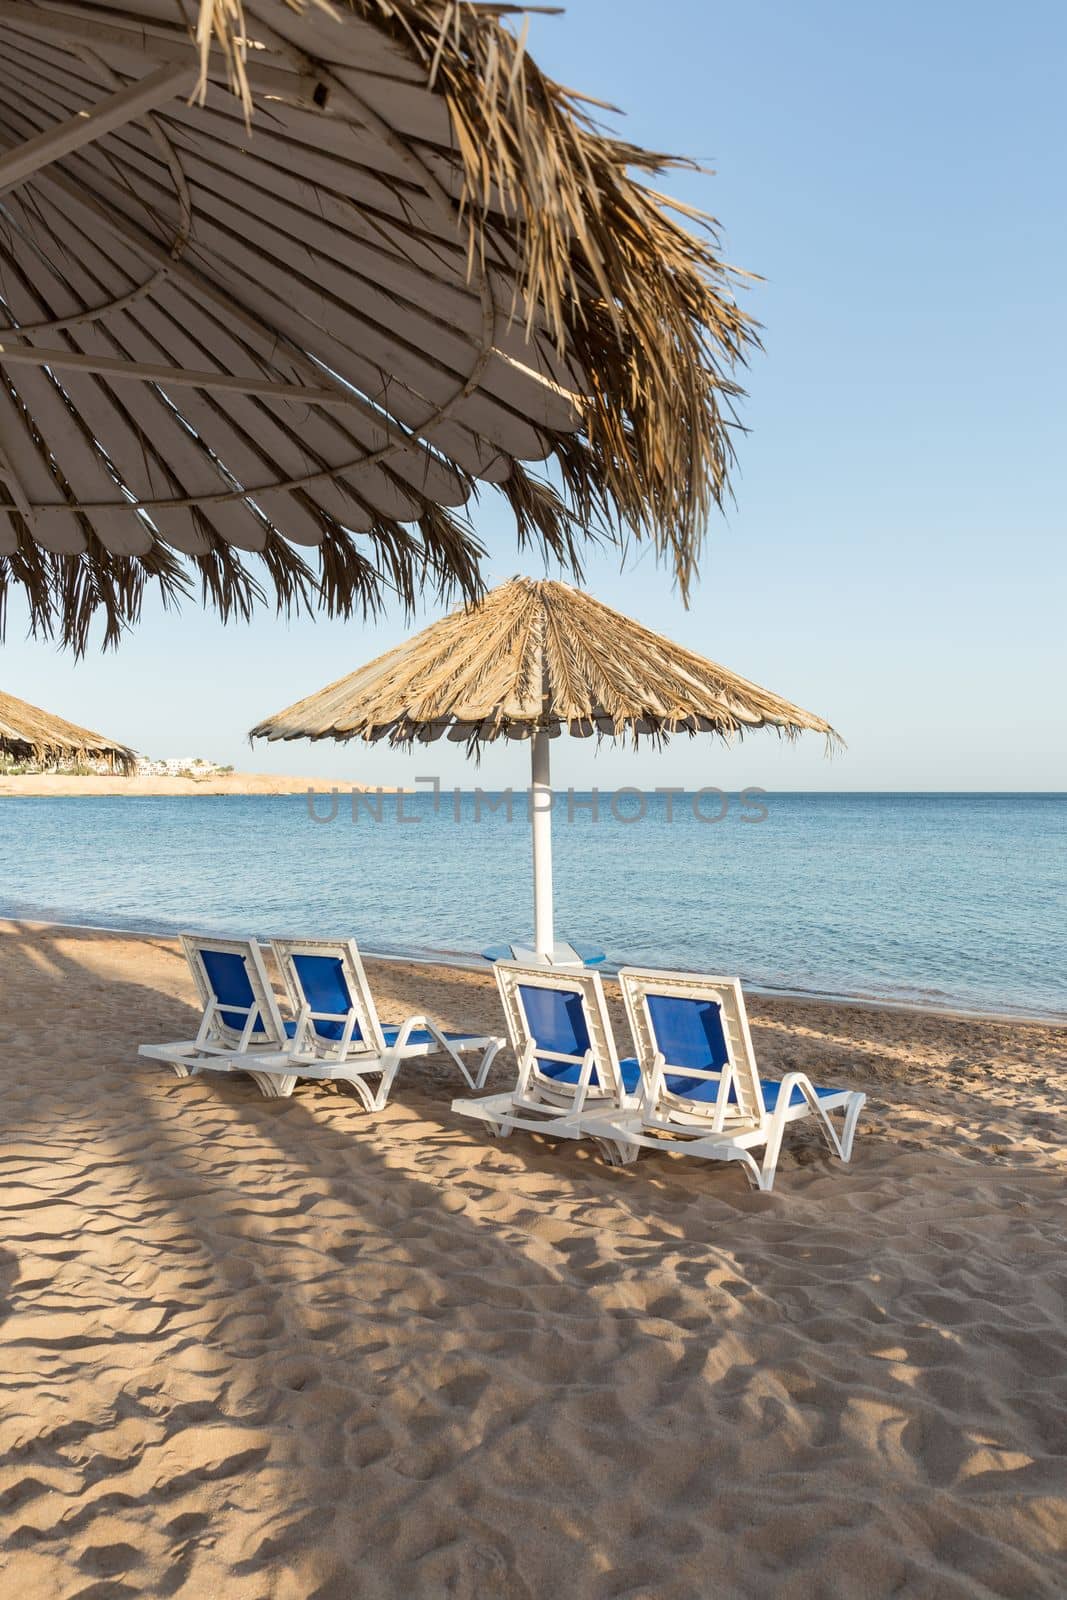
<point x="459" y="962"/>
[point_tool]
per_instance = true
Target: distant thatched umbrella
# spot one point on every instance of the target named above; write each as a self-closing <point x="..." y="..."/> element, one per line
<point x="30" y="734"/>
<point x="532" y="660"/>
<point x="405" y="265"/>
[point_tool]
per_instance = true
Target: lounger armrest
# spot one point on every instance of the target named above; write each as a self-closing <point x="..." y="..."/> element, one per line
<point x="800" y="1080"/>
<point x="463" y="1041"/>
<point x="585" y="1078"/>
<point x="651" y="1086"/>
<point x="302" y="1027"/>
<point x="408" y="1027"/>
<point x="851" y="1101"/>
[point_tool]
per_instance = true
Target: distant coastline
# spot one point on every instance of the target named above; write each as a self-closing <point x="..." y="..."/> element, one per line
<point x="62" y="786"/>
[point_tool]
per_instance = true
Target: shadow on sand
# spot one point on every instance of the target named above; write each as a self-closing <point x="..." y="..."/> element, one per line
<point x="298" y="1351"/>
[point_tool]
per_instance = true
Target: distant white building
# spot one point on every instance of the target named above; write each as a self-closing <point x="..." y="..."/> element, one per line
<point x="174" y="766"/>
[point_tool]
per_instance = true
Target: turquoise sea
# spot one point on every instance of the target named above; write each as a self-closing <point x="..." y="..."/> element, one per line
<point x="941" y="899"/>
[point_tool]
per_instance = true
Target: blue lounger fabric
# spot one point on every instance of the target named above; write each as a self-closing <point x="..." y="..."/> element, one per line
<point x="557" y="1022"/>
<point x="325" y="987"/>
<point x="690" y="1034"/>
<point x="706" y="1089"/>
<point x="228" y="977"/>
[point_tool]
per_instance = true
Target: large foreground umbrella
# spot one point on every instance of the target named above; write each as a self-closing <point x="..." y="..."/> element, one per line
<point x="29" y="734"/>
<point x="532" y="660"/>
<point x="305" y="320"/>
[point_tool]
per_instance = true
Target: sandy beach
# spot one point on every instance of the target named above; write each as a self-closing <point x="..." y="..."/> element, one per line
<point x="280" y="1349"/>
<point x="63" y="785"/>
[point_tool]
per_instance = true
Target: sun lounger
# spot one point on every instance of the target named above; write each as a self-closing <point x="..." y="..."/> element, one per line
<point x="700" y="1090"/>
<point x="240" y="1015"/>
<point x="558" y="1027"/>
<point x="336" y="1032"/>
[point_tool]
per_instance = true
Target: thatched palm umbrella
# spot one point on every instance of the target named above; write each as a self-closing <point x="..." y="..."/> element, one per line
<point x="29" y="734"/>
<point x="306" y="320"/>
<point x="530" y="661"/>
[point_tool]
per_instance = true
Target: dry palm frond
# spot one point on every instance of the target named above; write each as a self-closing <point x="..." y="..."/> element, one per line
<point x="420" y="222"/>
<point x="531" y="655"/>
<point x="29" y="734"/>
<point x="66" y="595"/>
<point x="645" y="306"/>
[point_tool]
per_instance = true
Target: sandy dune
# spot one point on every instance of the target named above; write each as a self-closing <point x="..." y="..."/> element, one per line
<point x="61" y="785"/>
<point x="276" y="1350"/>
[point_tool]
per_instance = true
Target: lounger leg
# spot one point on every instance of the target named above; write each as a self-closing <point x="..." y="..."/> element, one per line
<point x="274" y="1086"/>
<point x="759" y="1177"/>
<point x="180" y="1070"/>
<point x="764" y="1174"/>
<point x="616" y="1153"/>
<point x="487" y="1061"/>
<point x="478" y="1080"/>
<point x="390" y="1068"/>
<point x="839" y="1146"/>
<point x="829" y="1133"/>
<point x="852" y="1117"/>
<point x="364" y="1090"/>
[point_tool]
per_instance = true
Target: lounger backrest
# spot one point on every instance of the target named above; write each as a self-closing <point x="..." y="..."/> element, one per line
<point x="699" y="1027"/>
<point x="562" y="1015"/>
<point x="231" y="979"/>
<point x="327" y="976"/>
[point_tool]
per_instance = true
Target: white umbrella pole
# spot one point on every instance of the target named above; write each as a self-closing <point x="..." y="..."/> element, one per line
<point x="541" y="828"/>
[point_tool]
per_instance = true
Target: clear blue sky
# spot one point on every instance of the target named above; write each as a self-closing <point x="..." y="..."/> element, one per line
<point x="896" y="559"/>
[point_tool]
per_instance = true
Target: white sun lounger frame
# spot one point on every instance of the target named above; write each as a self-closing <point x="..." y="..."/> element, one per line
<point x="219" y="1047"/>
<point x="538" y="1103"/>
<point x="355" y="1060"/>
<point x="724" y="1130"/>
